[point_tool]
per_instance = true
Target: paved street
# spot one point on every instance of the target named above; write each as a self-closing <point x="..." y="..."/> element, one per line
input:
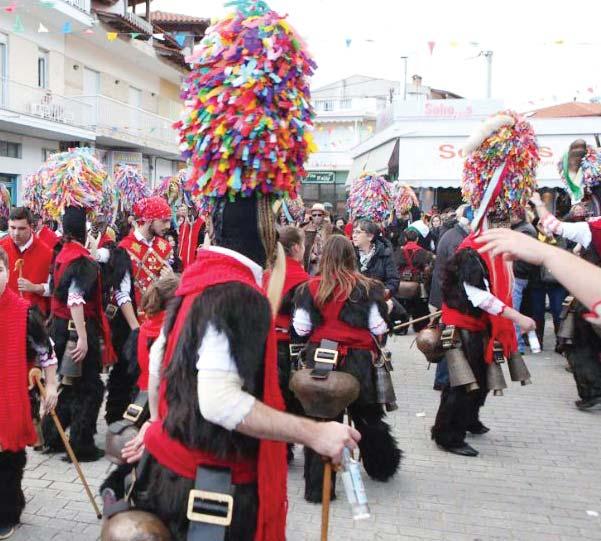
<point x="538" y="476"/>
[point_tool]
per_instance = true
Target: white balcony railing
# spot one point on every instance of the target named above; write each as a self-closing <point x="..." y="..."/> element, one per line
<point x="82" y="5"/>
<point x="42" y="103"/>
<point x="118" y="120"/>
<point x="347" y="105"/>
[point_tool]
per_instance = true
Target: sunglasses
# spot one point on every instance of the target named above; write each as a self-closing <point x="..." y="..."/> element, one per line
<point x="316" y="214"/>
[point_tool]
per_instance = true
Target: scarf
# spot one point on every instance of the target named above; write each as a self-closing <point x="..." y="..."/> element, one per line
<point x="149" y="330"/>
<point x="365" y="257"/>
<point x="16" y="426"/>
<point x="68" y="254"/>
<point x="210" y="269"/>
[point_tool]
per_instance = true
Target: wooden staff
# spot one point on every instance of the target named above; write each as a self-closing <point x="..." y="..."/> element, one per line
<point x="326" y="496"/>
<point x="19" y="268"/>
<point x="35" y="375"/>
<point x="417" y="320"/>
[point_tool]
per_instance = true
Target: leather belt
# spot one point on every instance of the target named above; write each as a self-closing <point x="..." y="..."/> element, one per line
<point x="326" y="357"/>
<point x="210" y="504"/>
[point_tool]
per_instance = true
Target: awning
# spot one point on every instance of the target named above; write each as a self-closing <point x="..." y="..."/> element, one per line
<point x="374" y="161"/>
<point x="551" y="183"/>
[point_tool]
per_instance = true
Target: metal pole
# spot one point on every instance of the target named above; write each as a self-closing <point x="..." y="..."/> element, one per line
<point x="404" y="59"/>
<point x="488" y="55"/>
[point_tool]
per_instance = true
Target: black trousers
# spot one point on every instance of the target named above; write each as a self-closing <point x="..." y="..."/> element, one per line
<point x="121" y="382"/>
<point x="78" y="404"/>
<point x="12" y="500"/>
<point x="459" y="409"/>
<point x="165" y="494"/>
<point x="585" y="361"/>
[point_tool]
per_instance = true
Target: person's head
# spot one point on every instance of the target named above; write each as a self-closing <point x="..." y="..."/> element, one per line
<point x="364" y="233"/>
<point x="318" y="213"/>
<point x="436" y="221"/>
<point x="338" y="269"/>
<point x="517" y="216"/>
<point x="74" y="225"/>
<point x="4" y="270"/>
<point x="158" y="294"/>
<point x="411" y="235"/>
<point x="99" y="225"/>
<point x="340" y="223"/>
<point x="20" y="225"/>
<point x="153" y="216"/>
<point x="434" y="210"/>
<point x="293" y="241"/>
<point x="38" y="222"/>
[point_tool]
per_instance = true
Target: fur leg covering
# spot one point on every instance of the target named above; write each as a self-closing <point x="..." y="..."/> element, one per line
<point x="63" y="410"/>
<point x="116" y="480"/>
<point x="379" y="449"/>
<point x="12" y="500"/>
<point x="166" y="496"/>
<point x="120" y="388"/>
<point x="314" y="477"/>
<point x="452" y="418"/>
<point x="586" y="366"/>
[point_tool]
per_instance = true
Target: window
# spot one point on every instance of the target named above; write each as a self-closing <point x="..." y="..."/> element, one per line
<point x="10" y="150"/>
<point x="43" y="68"/>
<point x="10" y="182"/>
<point x="47" y="152"/>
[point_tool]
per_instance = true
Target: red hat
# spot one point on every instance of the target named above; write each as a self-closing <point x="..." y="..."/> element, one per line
<point x="152" y="208"/>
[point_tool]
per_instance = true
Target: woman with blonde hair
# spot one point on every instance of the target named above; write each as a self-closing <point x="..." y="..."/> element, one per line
<point x="342" y="309"/>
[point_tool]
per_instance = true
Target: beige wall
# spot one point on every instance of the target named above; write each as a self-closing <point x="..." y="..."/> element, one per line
<point x="22" y="60"/>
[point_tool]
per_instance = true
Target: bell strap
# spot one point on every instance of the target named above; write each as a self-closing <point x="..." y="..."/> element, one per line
<point x="325" y="357"/>
<point x="210" y="504"/>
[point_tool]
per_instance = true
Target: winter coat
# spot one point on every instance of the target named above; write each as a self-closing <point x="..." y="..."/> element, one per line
<point x="382" y="266"/>
<point x="521" y="269"/>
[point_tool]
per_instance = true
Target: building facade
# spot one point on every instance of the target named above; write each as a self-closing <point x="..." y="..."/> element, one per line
<point x="88" y="73"/>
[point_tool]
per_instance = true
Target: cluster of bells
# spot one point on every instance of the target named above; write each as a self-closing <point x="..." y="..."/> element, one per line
<point x="435" y="347"/>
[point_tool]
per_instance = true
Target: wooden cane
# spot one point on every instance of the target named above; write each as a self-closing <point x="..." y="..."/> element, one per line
<point x="412" y="321"/>
<point x="19" y="268"/>
<point x="35" y="374"/>
<point x="326" y="496"/>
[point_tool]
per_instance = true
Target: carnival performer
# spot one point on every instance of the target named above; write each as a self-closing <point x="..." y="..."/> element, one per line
<point x="140" y="259"/>
<point x="78" y="319"/>
<point x="499" y="175"/>
<point x="341" y="305"/>
<point x="583" y="347"/>
<point x="190" y="234"/>
<point x="44" y="233"/>
<point x="29" y="260"/>
<point x="293" y="242"/>
<point x="24" y="343"/>
<point x="219" y="410"/>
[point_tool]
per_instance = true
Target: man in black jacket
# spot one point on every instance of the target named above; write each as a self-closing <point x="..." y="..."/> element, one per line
<point x="522" y="271"/>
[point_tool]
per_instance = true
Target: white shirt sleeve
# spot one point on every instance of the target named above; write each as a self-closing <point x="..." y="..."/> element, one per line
<point x="301" y="321"/>
<point x="75" y="296"/>
<point x="579" y="232"/>
<point x="47" y="292"/>
<point x="220" y="396"/>
<point x="484" y="300"/>
<point x="103" y="255"/>
<point x="155" y="355"/>
<point x="122" y="296"/>
<point x="377" y="325"/>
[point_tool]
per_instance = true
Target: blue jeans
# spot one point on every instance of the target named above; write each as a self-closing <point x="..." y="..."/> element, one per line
<point x="519" y="284"/>
<point x="538" y="294"/>
<point x="442" y="373"/>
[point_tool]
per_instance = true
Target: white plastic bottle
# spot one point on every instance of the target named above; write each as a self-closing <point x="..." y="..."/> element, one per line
<point x="534" y="343"/>
<point x="353" y="486"/>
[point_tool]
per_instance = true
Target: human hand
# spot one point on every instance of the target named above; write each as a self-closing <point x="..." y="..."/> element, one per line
<point x="81" y="350"/>
<point x="49" y="402"/>
<point x="526" y="324"/>
<point x="513" y="245"/>
<point x="330" y="439"/>
<point x="535" y="199"/>
<point x="134" y="448"/>
<point x="25" y="285"/>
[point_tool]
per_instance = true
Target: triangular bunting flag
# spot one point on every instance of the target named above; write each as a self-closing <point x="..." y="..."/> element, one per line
<point x="111" y="36"/>
<point x="42" y="28"/>
<point x="134" y="35"/>
<point x="88" y="31"/>
<point x="10" y="8"/>
<point x="67" y="28"/>
<point x="158" y="36"/>
<point x="180" y="38"/>
<point x="47" y="3"/>
<point x="18" y="26"/>
<point x="431" y="45"/>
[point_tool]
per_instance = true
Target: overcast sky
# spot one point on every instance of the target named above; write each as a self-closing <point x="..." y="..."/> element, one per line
<point x="543" y="52"/>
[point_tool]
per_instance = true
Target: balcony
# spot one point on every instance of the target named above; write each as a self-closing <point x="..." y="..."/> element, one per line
<point x="123" y="125"/>
<point x="349" y="109"/>
<point x="82" y="5"/>
<point x="41" y="109"/>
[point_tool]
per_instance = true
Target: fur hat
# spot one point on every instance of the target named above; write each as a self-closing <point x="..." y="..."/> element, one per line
<point x="74" y="223"/>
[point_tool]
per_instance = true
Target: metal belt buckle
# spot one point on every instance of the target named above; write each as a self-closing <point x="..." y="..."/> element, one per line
<point x="133" y="413"/>
<point x="327" y="356"/>
<point x="447" y="337"/>
<point x="71" y="326"/>
<point x="295" y="350"/>
<point x="198" y="496"/>
<point x="111" y="311"/>
<point x="498" y="353"/>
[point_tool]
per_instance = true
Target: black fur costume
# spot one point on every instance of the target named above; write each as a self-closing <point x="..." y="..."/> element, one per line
<point x="121" y="383"/>
<point x="12" y="464"/>
<point x="459" y="410"/>
<point x="379" y="451"/>
<point x="417" y="307"/>
<point x="78" y="405"/>
<point x="244" y="316"/>
<point x="584" y="354"/>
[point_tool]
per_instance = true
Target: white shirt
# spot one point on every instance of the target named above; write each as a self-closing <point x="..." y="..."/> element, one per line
<point x="484" y="299"/>
<point x="301" y="321"/>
